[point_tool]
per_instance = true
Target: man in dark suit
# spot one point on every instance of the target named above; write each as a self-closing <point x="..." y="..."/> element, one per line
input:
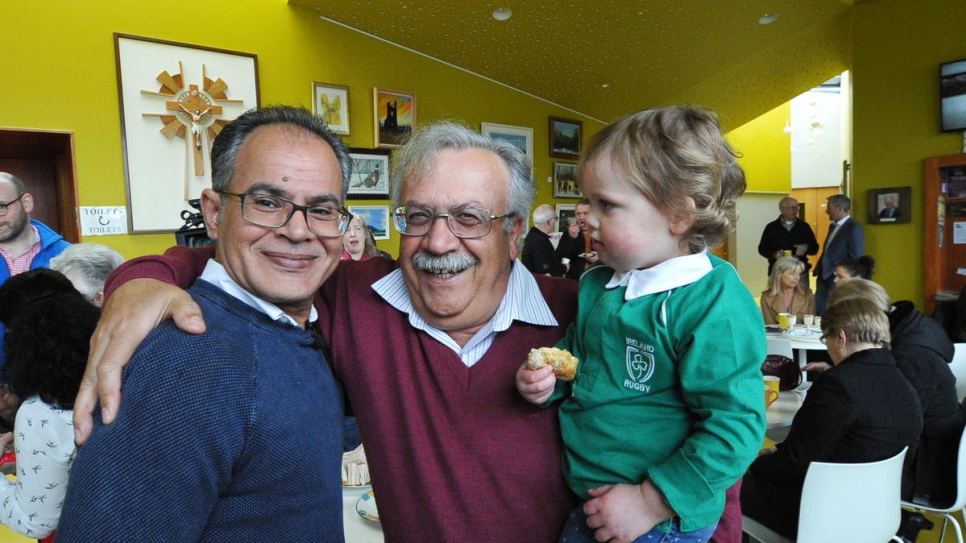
<point x="845" y="240"/>
<point x="891" y="210"/>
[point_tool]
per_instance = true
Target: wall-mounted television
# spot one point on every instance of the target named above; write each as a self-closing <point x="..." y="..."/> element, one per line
<point x="952" y="94"/>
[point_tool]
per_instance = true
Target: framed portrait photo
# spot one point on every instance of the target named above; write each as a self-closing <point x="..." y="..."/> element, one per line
<point x="370" y="174"/>
<point x="520" y="137"/>
<point x="394" y="116"/>
<point x="565" y="138"/>
<point x="565" y="180"/>
<point x="376" y="217"/>
<point x="890" y="205"/>
<point x="331" y="102"/>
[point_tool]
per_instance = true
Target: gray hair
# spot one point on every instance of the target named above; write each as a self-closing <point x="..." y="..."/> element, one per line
<point x="93" y="262"/>
<point x="224" y="150"/>
<point x="859" y="288"/>
<point x="542" y="214"/>
<point x="415" y="159"/>
<point x="15" y="181"/>
<point x="840" y="200"/>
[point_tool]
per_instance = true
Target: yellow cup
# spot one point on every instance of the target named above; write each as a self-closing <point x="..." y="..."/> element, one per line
<point x="787" y="253"/>
<point x="783" y="320"/>
<point x="772" y="383"/>
<point x="770" y="397"/>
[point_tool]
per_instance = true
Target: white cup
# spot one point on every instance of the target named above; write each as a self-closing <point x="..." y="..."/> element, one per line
<point x="792" y="320"/>
<point x="818" y="321"/>
<point x="808" y="320"/>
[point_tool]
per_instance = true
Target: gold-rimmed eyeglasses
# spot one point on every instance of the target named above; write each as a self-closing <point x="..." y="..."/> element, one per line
<point x="260" y="209"/>
<point x="465" y="222"/>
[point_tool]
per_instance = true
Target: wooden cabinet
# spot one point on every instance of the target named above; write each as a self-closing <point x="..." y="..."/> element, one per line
<point x="945" y="260"/>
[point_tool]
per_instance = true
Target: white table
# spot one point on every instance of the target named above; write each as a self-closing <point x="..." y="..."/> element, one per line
<point x="781" y="414"/>
<point x="800" y="344"/>
<point x="358" y="529"/>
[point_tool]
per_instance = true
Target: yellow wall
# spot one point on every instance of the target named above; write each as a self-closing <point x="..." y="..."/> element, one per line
<point x="57" y="61"/>
<point x="765" y="149"/>
<point x="897" y="49"/>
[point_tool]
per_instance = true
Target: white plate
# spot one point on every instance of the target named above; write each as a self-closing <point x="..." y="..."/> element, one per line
<point x="366" y="507"/>
<point x="360" y="487"/>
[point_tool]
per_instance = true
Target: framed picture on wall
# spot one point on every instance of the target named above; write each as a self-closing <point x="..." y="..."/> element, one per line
<point x="890" y="205"/>
<point x="394" y="116"/>
<point x="331" y="102"/>
<point x="376" y="217"/>
<point x="566" y="215"/>
<point x="565" y="137"/>
<point x="565" y="180"/>
<point x="174" y="99"/>
<point x="370" y="174"/>
<point x="520" y="137"/>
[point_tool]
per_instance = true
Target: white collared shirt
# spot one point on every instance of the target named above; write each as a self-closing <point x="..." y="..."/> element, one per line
<point x="216" y="275"/>
<point x="522" y="301"/>
<point x="838" y="226"/>
<point x="673" y="273"/>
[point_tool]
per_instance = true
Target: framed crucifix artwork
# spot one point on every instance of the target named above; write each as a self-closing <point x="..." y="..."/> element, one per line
<point x="174" y="99"/>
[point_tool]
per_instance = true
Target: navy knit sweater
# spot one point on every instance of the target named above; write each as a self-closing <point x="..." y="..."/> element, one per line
<point x="232" y="435"/>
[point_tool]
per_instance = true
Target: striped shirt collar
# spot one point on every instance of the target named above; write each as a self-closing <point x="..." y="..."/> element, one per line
<point x="216" y="275"/>
<point x="523" y="301"/>
<point x="665" y="276"/>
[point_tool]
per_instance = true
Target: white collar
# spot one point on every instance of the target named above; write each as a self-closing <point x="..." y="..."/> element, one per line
<point x="665" y="276"/>
<point x="216" y="274"/>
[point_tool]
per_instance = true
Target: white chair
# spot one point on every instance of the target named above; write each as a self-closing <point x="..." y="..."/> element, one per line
<point x="854" y="503"/>
<point x="959" y="504"/>
<point x="958" y="367"/>
<point x="782" y="346"/>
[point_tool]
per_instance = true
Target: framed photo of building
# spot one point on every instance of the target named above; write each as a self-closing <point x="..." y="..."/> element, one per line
<point x="565" y="138"/>
<point x="520" y="137"/>
<point x="394" y="116"/>
<point x="376" y="217"/>
<point x="331" y="102"/>
<point x="890" y="205"/>
<point x="370" y="174"/>
<point x="174" y="99"/>
<point x="565" y="181"/>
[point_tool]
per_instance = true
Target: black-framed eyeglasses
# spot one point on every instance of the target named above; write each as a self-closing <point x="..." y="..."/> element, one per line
<point x="323" y="220"/>
<point x="465" y="222"/>
<point x="4" y="206"/>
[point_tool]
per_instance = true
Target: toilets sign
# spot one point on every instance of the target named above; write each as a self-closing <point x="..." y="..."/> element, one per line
<point x="103" y="221"/>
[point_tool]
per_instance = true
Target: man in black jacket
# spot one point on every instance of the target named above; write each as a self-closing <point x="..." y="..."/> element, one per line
<point x="789" y="234"/>
<point x="538" y="252"/>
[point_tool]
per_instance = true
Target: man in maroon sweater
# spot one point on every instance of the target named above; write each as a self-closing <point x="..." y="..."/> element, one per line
<point x="427" y="351"/>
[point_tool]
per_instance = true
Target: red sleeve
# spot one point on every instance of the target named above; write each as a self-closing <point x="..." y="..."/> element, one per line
<point x="178" y="266"/>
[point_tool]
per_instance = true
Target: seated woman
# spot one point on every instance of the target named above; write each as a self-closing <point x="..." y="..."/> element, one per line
<point x="786" y="293"/>
<point x="48" y="329"/>
<point x="854" y="267"/>
<point x="87" y="265"/>
<point x="922" y="351"/>
<point x="846" y="417"/>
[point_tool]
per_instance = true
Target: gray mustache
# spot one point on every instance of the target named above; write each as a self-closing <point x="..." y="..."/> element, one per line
<point x="449" y="262"/>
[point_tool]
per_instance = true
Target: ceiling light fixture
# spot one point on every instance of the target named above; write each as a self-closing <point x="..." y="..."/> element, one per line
<point x="605" y="85"/>
<point x="767" y="18"/>
<point x="502" y="14"/>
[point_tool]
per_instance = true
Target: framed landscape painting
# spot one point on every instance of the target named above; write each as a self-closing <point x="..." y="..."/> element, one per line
<point x="565" y="180"/>
<point x="520" y="137"/>
<point x="394" y="115"/>
<point x="376" y="217"/>
<point x="565" y="137"/>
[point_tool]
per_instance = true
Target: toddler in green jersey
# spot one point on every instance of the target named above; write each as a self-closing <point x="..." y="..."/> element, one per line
<point x="666" y="411"/>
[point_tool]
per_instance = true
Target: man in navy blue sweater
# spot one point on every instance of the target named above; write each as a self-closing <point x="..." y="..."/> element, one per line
<point x="235" y="434"/>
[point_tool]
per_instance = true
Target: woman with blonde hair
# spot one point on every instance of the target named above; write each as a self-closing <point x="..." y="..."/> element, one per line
<point x="786" y="293"/>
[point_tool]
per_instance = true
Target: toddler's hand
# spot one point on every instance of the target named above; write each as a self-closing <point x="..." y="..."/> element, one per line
<point x="536" y="386"/>
<point x="622" y="513"/>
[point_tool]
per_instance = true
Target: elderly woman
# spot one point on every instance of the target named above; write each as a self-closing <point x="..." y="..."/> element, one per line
<point x="87" y="265"/>
<point x="358" y="241"/>
<point x="861" y="267"/>
<point x="846" y="417"/>
<point x="922" y="351"/>
<point x="786" y="293"/>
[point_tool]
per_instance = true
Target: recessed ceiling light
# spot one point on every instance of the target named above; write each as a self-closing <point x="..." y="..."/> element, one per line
<point x="767" y="18"/>
<point x="605" y="85"/>
<point x="502" y="14"/>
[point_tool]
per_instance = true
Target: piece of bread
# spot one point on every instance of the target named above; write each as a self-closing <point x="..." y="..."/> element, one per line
<point x="355" y="469"/>
<point x="564" y="364"/>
